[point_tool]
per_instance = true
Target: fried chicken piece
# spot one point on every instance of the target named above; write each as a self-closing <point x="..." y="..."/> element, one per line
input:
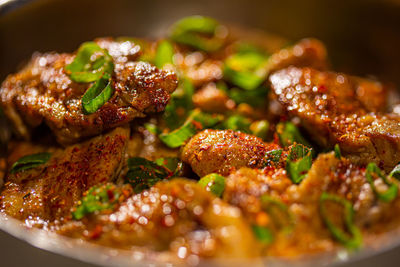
<point x="170" y="216"/>
<point x="211" y="99"/>
<point x="43" y="92"/>
<point x="223" y="151"/>
<point x="48" y="192"/>
<point x="339" y="109"/>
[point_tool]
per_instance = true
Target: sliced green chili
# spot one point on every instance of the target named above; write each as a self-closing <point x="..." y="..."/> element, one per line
<point x="288" y="134"/>
<point x="30" y="162"/>
<point x="255" y="98"/>
<point x="391" y="193"/>
<point x="97" y="95"/>
<point x="237" y="123"/>
<point x="353" y="238"/>
<point x="395" y="172"/>
<point x="271" y="205"/>
<point x="213" y="182"/>
<point x="338" y="153"/>
<point x="274" y="156"/>
<point x="260" y="128"/>
<point x="263" y="234"/>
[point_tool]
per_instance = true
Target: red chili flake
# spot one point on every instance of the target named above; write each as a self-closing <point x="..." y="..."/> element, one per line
<point x="96" y="232"/>
<point x="322" y="89"/>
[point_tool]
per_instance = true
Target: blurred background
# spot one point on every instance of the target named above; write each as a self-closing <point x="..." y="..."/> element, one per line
<point x="362" y="36"/>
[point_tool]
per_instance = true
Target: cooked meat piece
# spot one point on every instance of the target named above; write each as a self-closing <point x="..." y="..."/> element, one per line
<point x="48" y="192"/>
<point x="335" y="108"/>
<point x="170" y="216"/>
<point x="305" y="53"/>
<point x="223" y="151"/>
<point x="211" y="99"/>
<point x="43" y="92"/>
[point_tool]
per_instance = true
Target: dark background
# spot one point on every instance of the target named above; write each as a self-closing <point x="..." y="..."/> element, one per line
<point x="362" y="36"/>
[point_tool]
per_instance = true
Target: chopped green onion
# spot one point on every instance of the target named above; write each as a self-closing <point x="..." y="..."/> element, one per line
<point x="298" y="162"/>
<point x="213" y="182"/>
<point x="169" y="162"/>
<point x="338" y="154"/>
<point x="30" y="162"/>
<point x="164" y="54"/>
<point x="152" y="128"/>
<point x="246" y="69"/>
<point x="391" y="193"/>
<point x="237" y="123"/>
<point x="90" y="63"/>
<point x="97" y="198"/>
<point x="263" y="234"/>
<point x="288" y="134"/>
<point x="143" y="173"/>
<point x="260" y="128"/>
<point x="274" y="156"/>
<point x="278" y="210"/>
<point x="255" y="98"/>
<point x="353" y="238"/>
<point x="196" y="121"/>
<point x="395" y="172"/>
<point x="191" y="31"/>
<point x="97" y="95"/>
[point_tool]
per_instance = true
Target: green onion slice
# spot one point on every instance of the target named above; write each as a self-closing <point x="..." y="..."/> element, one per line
<point x="395" y="172"/>
<point x="279" y="212"/>
<point x="255" y="98"/>
<point x="213" y="182"/>
<point x="274" y="156"/>
<point x="97" y="95"/>
<point x="298" y="162"/>
<point x="338" y="153"/>
<point x="30" y="162"/>
<point x="351" y="237"/>
<point x="196" y="121"/>
<point x="143" y="174"/>
<point x="260" y="128"/>
<point x="391" y="193"/>
<point x="90" y="63"/>
<point x="237" y="123"/>
<point x="170" y="163"/>
<point x="164" y="54"/>
<point x="97" y="198"/>
<point x="246" y="69"/>
<point x="288" y="134"/>
<point x="198" y="32"/>
<point x="263" y="234"/>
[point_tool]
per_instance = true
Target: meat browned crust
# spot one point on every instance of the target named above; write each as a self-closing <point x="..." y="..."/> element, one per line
<point x="48" y="192"/>
<point x="339" y="109"/>
<point x="43" y="92"/>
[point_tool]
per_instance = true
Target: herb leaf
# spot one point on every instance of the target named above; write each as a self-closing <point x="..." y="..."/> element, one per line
<point x="298" y="162"/>
<point x="30" y="161"/>
<point x="191" y="31"/>
<point x="237" y="123"/>
<point x="164" y="54"/>
<point x="395" y="172"/>
<point x="352" y="240"/>
<point x="274" y="156"/>
<point x="97" y="95"/>
<point x="391" y="193"/>
<point x="97" y="198"/>
<point x="338" y="153"/>
<point x="263" y="234"/>
<point x="144" y="173"/>
<point x="288" y="134"/>
<point x="213" y="182"/>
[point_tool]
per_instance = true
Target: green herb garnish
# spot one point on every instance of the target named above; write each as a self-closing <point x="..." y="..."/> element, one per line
<point x="196" y="121"/>
<point x="237" y="123"/>
<point x="255" y="98"/>
<point x="298" y="162"/>
<point x="91" y="62"/>
<point x="395" y="172"/>
<point x="338" y="154"/>
<point x="30" y="162"/>
<point x="143" y="173"/>
<point x="213" y="182"/>
<point x="198" y="32"/>
<point x="260" y="128"/>
<point x="97" y="198"/>
<point x="391" y="193"/>
<point x="288" y="134"/>
<point x="164" y="54"/>
<point x="274" y="156"/>
<point x="263" y="234"/>
<point x="97" y="95"/>
<point x="351" y="237"/>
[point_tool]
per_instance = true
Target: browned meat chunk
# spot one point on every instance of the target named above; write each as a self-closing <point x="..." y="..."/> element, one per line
<point x="43" y="92"/>
<point x="223" y="151"/>
<point x="48" y="192"/>
<point x="335" y="108"/>
<point x="211" y="99"/>
<point x="177" y="216"/>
